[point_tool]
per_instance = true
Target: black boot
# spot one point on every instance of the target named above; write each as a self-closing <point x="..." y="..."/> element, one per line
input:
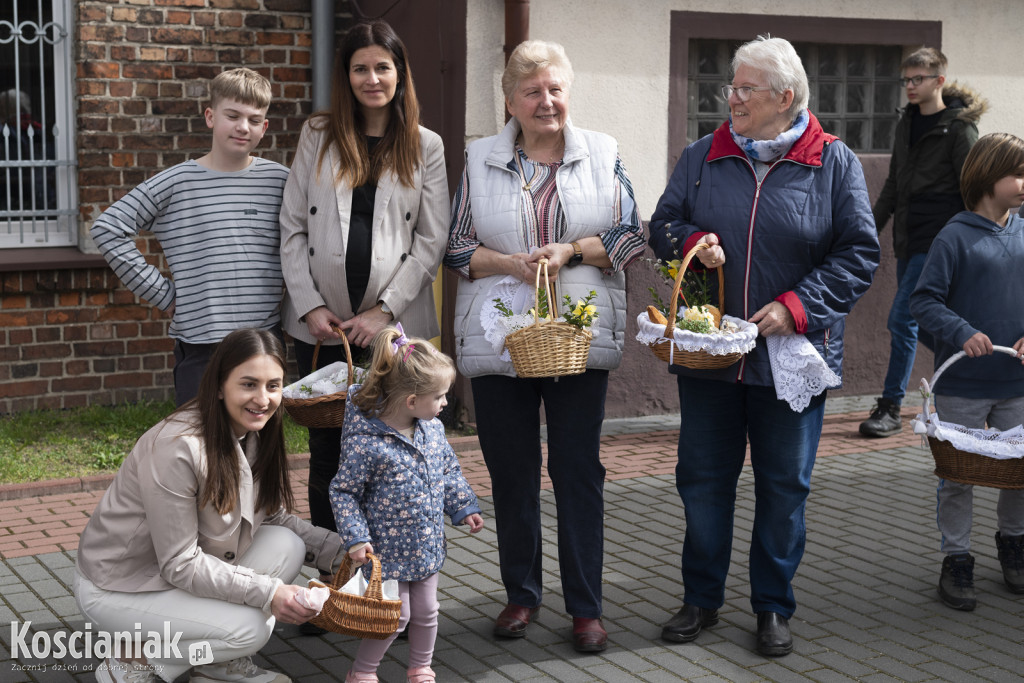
<point x="1011" y="557"/>
<point x="773" y="636"/>
<point x="884" y="420"/>
<point x="956" y="585"/>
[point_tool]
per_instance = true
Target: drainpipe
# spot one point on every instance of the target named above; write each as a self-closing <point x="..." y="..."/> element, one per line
<point x="323" y="52"/>
<point x="517" y="24"/>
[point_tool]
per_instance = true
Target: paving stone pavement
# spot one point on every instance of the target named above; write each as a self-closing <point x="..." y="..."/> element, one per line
<point x="867" y="609"/>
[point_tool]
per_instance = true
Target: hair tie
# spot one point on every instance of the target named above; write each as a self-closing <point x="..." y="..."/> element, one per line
<point x="401" y="341"/>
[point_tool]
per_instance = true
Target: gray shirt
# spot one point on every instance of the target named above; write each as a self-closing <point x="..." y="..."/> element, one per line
<point x="220" y="235"/>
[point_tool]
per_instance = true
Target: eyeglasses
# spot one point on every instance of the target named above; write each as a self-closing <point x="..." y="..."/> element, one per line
<point x="742" y="92"/>
<point x="916" y="80"/>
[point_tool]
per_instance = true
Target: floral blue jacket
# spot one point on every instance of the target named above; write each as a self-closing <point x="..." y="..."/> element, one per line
<point x="394" y="493"/>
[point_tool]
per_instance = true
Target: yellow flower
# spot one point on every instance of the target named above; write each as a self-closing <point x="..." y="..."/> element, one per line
<point x="698" y="313"/>
<point x="590" y="310"/>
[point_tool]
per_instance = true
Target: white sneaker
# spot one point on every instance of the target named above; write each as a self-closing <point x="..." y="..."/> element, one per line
<point x="115" y="671"/>
<point x="240" y="670"/>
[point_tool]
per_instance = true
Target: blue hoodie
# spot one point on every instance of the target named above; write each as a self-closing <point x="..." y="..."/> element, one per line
<point x="972" y="282"/>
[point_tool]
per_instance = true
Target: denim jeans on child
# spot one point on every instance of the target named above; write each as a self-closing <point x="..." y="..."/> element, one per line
<point x="902" y="329"/>
<point x="955" y="501"/>
<point x="716" y="420"/>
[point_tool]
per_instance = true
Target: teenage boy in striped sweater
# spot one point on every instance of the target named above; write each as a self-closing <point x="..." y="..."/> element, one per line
<point x="216" y="219"/>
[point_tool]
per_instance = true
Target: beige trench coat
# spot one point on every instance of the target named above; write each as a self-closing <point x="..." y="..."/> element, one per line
<point x="410" y="234"/>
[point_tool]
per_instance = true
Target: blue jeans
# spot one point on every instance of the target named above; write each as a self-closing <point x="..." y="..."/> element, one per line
<point x="902" y="329"/>
<point x="508" y="420"/>
<point x="717" y="420"/>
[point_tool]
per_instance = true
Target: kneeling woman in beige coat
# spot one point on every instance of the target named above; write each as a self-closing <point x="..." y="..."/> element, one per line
<point x="193" y="536"/>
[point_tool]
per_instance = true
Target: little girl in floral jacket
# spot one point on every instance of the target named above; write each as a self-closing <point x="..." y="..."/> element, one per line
<point x="397" y="479"/>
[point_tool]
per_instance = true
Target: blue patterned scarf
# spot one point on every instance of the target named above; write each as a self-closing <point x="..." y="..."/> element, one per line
<point x="767" y="151"/>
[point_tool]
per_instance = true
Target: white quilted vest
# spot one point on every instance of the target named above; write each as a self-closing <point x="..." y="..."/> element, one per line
<point x="586" y="189"/>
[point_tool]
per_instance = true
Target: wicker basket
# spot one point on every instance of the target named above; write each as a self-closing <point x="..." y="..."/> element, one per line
<point x="364" y="616"/>
<point x="667" y="351"/>
<point x="971" y="468"/>
<point x="321" y="411"/>
<point x="548" y="348"/>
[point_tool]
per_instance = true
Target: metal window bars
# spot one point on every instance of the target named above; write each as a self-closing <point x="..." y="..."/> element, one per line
<point x="38" y="196"/>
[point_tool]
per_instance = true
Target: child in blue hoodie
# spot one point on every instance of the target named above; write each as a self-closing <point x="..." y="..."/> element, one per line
<point x="397" y="479"/>
<point x="969" y="298"/>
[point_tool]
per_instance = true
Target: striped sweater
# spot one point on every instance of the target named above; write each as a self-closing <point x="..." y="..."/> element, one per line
<point x="220" y="235"/>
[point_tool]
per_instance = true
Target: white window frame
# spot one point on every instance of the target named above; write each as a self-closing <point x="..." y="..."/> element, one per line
<point x="57" y="226"/>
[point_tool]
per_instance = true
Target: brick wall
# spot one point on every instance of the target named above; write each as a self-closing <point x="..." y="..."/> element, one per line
<point x="76" y="336"/>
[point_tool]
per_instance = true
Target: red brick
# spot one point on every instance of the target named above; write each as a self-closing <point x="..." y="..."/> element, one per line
<point x="47" y="334"/>
<point x="120" y="380"/>
<point x="105" y="33"/>
<point x="230" y="19"/>
<point x="127" y="15"/>
<point x="21" y="319"/>
<point x="178" y="36"/>
<point x="124" y="53"/>
<point x="37" y="351"/>
<point x="162" y="345"/>
<point x="235" y="4"/>
<point x="76" y="367"/>
<point x="174" y="17"/>
<point x="153" y="72"/>
<point x="14" y="301"/>
<point x="25" y="388"/>
<point x="89" y="349"/>
<point x="83" y="383"/>
<point x="128" y="363"/>
<point x="87" y="14"/>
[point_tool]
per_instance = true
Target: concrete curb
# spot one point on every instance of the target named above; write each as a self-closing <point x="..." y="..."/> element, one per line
<point x="99" y="482"/>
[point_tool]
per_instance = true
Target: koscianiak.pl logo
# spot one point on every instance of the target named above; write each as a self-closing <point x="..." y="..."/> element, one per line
<point x="89" y="643"/>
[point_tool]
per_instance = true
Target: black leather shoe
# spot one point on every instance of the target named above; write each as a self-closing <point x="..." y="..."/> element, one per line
<point x="773" y="636"/>
<point x="687" y="623"/>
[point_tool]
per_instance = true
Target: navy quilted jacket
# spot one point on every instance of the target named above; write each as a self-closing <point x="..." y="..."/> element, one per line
<point x="804" y="235"/>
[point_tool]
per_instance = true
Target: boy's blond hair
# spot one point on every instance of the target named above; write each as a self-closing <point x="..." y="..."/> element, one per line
<point x="242" y="85"/>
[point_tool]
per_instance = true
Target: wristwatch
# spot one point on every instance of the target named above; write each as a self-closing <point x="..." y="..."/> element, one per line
<point x="577" y="255"/>
<point x="384" y="308"/>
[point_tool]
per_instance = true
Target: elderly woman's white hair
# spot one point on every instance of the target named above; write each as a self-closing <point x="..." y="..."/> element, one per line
<point x="777" y="59"/>
<point x="529" y="57"/>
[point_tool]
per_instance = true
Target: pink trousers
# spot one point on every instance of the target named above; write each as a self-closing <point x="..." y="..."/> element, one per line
<point x="419" y="613"/>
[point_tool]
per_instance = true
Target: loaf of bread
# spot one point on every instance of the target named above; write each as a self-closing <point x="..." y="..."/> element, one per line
<point x="656" y="316"/>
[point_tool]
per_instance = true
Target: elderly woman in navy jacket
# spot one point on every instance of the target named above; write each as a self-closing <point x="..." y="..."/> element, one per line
<point x="786" y="210"/>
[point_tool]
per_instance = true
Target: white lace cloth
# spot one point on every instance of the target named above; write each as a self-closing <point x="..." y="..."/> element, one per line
<point x="991" y="442"/>
<point x="741" y="341"/>
<point x="799" y="372"/>
<point x="1001" y="445"/>
<point x="516" y="295"/>
<point x="327" y="380"/>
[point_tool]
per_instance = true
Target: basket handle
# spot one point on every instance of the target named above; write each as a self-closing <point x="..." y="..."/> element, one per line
<point x="346" y="571"/>
<point x="676" y="290"/>
<point x="543" y="263"/>
<point x="348" y="351"/>
<point x="926" y="386"/>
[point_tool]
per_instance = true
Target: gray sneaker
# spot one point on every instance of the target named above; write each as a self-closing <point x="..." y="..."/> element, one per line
<point x="956" y="585"/>
<point x="884" y="420"/>
<point x="1011" y="557"/>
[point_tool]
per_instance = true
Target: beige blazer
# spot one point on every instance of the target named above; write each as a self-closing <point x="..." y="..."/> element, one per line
<point x="149" y="534"/>
<point x="410" y="234"/>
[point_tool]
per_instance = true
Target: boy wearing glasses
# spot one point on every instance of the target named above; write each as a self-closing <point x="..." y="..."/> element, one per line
<point x="936" y="130"/>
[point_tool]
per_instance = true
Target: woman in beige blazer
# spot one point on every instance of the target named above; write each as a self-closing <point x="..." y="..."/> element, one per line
<point x="194" y="536"/>
<point x="363" y="222"/>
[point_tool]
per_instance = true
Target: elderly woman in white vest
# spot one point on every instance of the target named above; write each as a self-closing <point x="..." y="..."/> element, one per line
<point x="543" y="188"/>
